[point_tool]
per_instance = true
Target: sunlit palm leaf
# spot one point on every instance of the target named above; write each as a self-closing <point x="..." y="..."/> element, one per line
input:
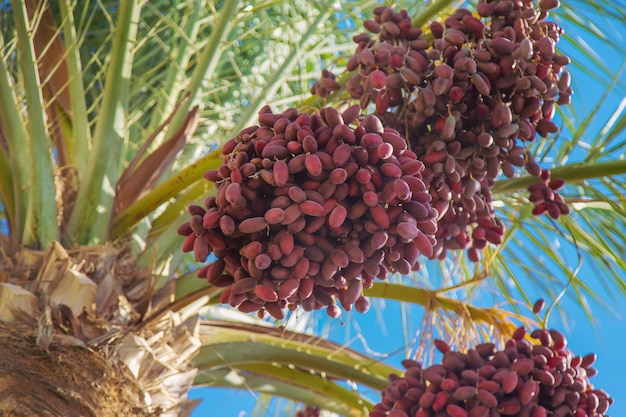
<point x="289" y="383"/>
<point x="234" y="344"/>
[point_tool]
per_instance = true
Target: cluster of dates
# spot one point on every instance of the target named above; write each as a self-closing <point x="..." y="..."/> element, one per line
<point x="545" y="198"/>
<point x="309" y="411"/>
<point x="468" y="102"/>
<point x="309" y="211"/>
<point x="524" y="380"/>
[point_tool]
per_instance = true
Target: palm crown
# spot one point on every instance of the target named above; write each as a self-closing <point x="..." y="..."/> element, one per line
<point x="110" y="114"/>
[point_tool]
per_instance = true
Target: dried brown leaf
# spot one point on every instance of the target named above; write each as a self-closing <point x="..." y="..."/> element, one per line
<point x="140" y="177"/>
<point x="50" y="53"/>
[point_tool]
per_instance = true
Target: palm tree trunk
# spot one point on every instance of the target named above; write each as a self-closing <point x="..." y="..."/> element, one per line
<point x="81" y="335"/>
<point x="63" y="380"/>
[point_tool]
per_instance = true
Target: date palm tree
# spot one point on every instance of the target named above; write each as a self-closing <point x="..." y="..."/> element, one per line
<point x="111" y="112"/>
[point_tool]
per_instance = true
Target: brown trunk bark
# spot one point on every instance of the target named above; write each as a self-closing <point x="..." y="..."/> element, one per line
<point x="64" y="380"/>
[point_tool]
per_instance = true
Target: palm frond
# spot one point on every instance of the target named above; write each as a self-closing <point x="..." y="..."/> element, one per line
<point x="288" y="363"/>
<point x="90" y="217"/>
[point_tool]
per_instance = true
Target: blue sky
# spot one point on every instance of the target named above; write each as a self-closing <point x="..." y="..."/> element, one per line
<point x="606" y="336"/>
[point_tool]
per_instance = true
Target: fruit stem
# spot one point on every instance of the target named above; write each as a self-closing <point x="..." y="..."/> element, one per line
<point x="575" y="172"/>
<point x="431" y="299"/>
